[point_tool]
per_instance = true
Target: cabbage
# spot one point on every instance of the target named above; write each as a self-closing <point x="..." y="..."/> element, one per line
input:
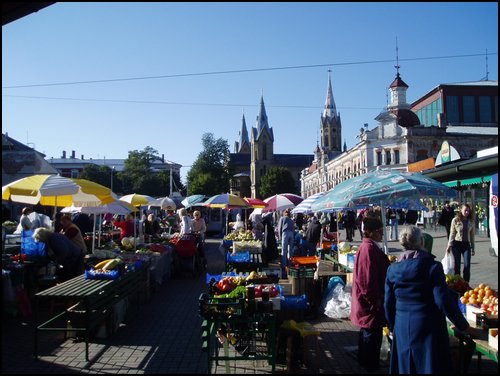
<point x="125" y="242"/>
<point x="344" y="247"/>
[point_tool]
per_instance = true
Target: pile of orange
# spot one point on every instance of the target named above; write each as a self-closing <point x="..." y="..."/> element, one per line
<point x="482" y="296"/>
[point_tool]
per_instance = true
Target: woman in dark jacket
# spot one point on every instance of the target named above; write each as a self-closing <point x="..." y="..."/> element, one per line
<point x="269" y="246"/>
<point x="417" y="302"/>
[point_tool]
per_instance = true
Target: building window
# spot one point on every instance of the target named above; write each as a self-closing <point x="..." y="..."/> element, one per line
<point x="74" y="174"/>
<point x="433" y="119"/>
<point x="387" y="157"/>
<point x="379" y="158"/>
<point x="396" y="157"/>
<point x="452" y="109"/>
<point x="469" y="109"/>
<point x="485" y="109"/>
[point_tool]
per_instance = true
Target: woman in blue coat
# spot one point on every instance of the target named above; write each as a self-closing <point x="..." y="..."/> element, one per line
<point x="417" y="302"/>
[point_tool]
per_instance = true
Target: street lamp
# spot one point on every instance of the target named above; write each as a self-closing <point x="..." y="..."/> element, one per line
<point x="112" y="170"/>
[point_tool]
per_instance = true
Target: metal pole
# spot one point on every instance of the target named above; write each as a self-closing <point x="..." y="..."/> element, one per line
<point x="112" y="170"/>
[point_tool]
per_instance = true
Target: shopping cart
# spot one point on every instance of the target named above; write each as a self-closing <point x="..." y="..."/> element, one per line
<point x="186" y="255"/>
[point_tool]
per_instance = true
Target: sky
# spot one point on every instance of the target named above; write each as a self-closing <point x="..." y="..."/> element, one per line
<point x="104" y="79"/>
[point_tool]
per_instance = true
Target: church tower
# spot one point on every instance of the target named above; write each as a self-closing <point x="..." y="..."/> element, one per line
<point x="330" y="124"/>
<point x="243" y="145"/>
<point x="262" y="149"/>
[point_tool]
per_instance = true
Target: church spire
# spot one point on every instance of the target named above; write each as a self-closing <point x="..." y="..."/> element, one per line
<point x="243" y="134"/>
<point x="330" y="110"/>
<point x="262" y="117"/>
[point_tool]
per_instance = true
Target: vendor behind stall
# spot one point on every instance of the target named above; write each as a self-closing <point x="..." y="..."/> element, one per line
<point x="66" y="253"/>
<point x="126" y="227"/>
<point x="152" y="226"/>
<point x="72" y="232"/>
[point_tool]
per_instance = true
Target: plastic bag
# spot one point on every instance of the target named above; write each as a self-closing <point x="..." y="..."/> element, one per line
<point x="338" y="303"/>
<point x="448" y="262"/>
<point x="30" y="247"/>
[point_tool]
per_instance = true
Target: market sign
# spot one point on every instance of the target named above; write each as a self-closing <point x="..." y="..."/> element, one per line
<point x="447" y="154"/>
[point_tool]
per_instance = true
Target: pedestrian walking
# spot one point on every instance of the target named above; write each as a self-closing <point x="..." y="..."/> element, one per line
<point x="286" y="233"/>
<point x="461" y="240"/>
<point x="393" y="219"/>
<point x="446" y="217"/>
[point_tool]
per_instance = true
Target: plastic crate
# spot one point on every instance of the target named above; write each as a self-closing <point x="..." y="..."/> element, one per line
<point x="210" y="308"/>
<point x="301" y="272"/>
<point x="304" y="260"/>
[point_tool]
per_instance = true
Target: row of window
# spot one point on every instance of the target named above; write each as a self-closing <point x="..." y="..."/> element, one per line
<point x="461" y="109"/>
<point x="388" y="157"/>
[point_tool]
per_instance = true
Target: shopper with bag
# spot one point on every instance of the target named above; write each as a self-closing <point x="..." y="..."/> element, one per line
<point x="448" y="263"/>
<point x="461" y="240"/>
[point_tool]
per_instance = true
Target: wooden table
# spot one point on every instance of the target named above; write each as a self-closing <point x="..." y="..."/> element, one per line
<point x="95" y="298"/>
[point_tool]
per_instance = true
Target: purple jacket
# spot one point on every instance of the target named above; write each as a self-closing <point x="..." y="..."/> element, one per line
<point x="370" y="269"/>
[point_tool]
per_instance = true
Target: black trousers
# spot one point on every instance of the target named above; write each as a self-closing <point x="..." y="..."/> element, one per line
<point x="369" y="343"/>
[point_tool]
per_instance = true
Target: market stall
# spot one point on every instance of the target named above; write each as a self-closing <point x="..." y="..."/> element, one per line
<point x="90" y="299"/>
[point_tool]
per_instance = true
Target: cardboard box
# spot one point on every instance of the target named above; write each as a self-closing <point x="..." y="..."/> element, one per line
<point x="343" y="258"/>
<point x="348" y="278"/>
<point x="471" y="312"/>
<point x="493" y="339"/>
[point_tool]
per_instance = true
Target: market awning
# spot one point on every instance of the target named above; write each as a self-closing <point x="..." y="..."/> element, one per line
<point x="469" y="181"/>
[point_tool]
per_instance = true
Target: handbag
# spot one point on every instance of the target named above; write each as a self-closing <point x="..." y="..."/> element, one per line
<point x="448" y="262"/>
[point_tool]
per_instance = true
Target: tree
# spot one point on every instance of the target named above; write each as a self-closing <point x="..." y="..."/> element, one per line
<point x="101" y="175"/>
<point x="277" y="180"/>
<point x="209" y="174"/>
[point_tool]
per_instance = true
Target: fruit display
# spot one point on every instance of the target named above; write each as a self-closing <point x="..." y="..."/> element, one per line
<point x="239" y="235"/>
<point x="273" y="290"/>
<point x="482" y="296"/>
<point x="108" y="264"/>
<point x="457" y="283"/>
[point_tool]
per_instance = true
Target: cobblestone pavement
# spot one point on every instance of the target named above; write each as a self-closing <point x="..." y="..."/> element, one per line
<point x="162" y="334"/>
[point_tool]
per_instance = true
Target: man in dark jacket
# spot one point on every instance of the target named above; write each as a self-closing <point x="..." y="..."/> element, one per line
<point x="446" y="216"/>
<point x="312" y="236"/>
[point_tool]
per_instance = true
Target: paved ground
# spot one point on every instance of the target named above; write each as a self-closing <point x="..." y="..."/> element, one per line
<point x="162" y="334"/>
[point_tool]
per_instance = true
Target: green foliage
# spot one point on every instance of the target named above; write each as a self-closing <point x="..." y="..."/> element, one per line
<point x="277" y="180"/>
<point x="100" y="175"/>
<point x="209" y="174"/>
<point x="138" y="175"/>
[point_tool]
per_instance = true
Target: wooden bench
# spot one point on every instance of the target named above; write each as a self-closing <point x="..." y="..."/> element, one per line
<point x="93" y="298"/>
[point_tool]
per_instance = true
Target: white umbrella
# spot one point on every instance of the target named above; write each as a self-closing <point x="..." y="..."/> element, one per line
<point x="305" y="206"/>
<point x="166" y="203"/>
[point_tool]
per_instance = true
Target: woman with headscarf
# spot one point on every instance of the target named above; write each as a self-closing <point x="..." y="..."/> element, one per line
<point x="269" y="245"/>
<point x="417" y="302"/>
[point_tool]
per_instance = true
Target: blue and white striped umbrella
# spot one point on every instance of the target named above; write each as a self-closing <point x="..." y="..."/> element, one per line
<point x="305" y="206"/>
